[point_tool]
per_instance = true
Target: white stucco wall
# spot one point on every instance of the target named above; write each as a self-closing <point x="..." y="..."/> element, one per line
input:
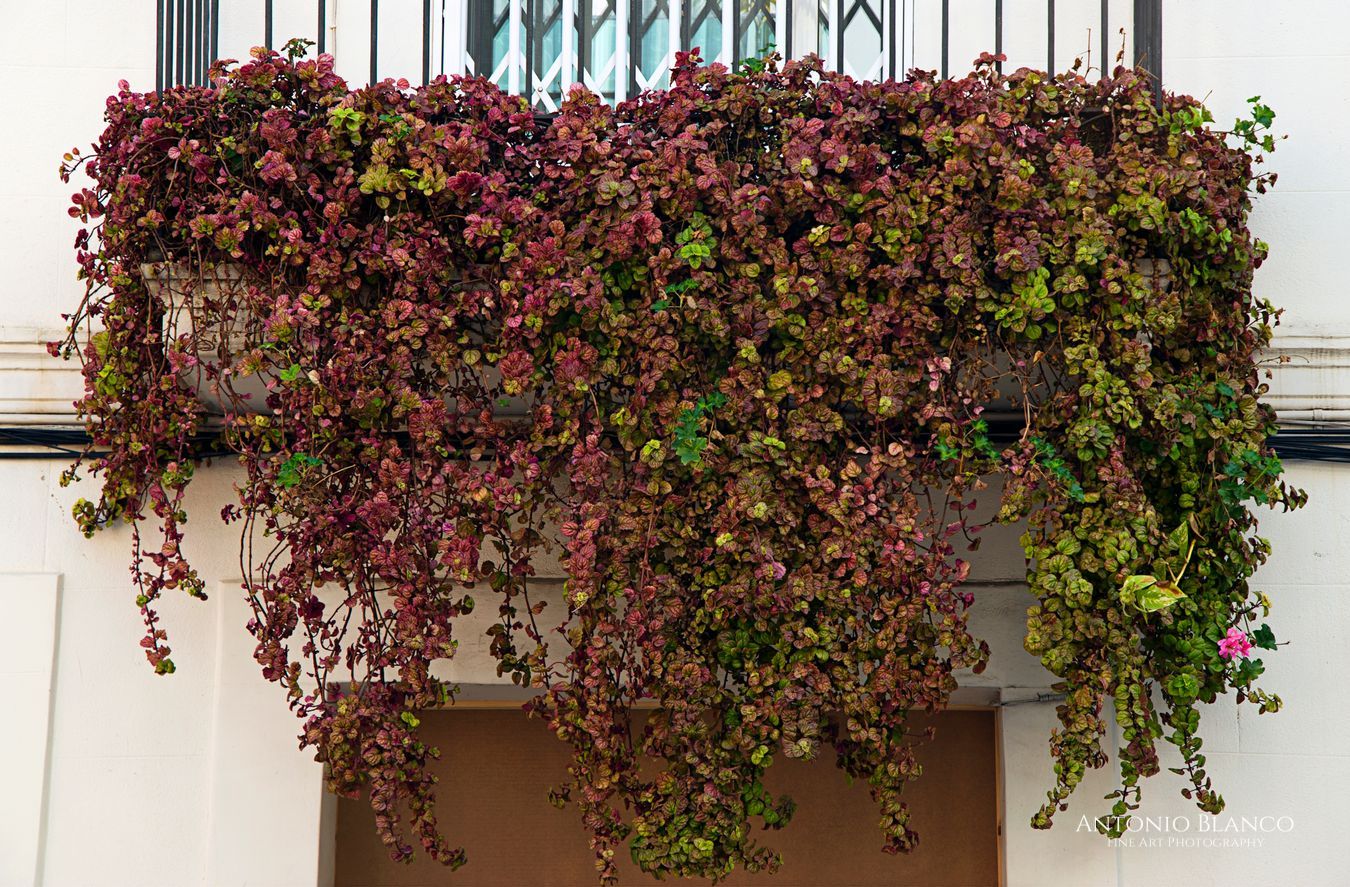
<point x="123" y="778"/>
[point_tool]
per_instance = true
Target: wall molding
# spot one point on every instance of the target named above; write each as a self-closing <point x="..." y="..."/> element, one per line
<point x="36" y="388"/>
<point x="1310" y="375"/>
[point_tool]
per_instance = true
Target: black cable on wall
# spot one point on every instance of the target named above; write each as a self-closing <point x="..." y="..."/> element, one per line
<point x="1329" y="444"/>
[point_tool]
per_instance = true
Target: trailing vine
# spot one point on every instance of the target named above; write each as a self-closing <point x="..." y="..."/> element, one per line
<point x="735" y="352"/>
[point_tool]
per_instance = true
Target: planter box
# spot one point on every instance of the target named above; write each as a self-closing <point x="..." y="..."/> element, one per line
<point x="188" y="297"/>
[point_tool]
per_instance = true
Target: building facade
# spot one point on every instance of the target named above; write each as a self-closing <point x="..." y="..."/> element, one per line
<point x="120" y="777"/>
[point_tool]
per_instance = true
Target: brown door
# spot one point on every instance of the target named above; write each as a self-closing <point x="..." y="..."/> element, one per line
<point x="496" y="767"/>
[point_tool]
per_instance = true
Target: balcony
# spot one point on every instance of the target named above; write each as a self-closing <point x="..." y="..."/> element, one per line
<point x="537" y="48"/>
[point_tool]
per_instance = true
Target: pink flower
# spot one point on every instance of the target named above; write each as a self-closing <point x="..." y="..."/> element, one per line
<point x="1236" y="643"/>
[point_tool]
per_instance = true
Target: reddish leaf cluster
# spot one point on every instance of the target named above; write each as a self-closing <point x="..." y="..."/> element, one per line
<point x="731" y="352"/>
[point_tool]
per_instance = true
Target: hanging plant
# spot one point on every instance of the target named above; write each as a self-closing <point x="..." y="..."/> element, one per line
<point x="731" y="351"/>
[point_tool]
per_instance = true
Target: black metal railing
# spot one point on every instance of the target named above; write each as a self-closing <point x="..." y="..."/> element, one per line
<point x="1148" y="36"/>
<point x="618" y="47"/>
<point x="186" y="40"/>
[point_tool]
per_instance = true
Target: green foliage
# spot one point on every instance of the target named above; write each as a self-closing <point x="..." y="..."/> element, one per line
<point x="1049" y="461"/>
<point x="689" y="442"/>
<point x="1255" y="131"/>
<point x="1149" y="594"/>
<point x="292" y="471"/>
<point x="696" y="242"/>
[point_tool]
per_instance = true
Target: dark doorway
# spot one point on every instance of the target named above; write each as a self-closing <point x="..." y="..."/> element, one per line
<point x="496" y="767"/>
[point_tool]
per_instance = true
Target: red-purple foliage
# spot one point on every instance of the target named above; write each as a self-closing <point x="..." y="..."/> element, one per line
<point x="726" y="351"/>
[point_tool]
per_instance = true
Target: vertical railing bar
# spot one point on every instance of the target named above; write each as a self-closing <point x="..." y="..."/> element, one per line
<point x="787" y="7"/>
<point x="1148" y="41"/>
<point x="806" y="29"/>
<point x="185" y="46"/>
<point x="468" y="35"/>
<point x="202" y="60"/>
<point x="267" y="24"/>
<point x="890" y="30"/>
<point x="539" y="23"/>
<point x="780" y="24"/>
<point x="432" y="38"/>
<point x="1106" y="17"/>
<point x="473" y="31"/>
<point x="839" y="36"/>
<point x="212" y="10"/>
<point x="535" y="19"/>
<point x="585" y="22"/>
<point x="737" y="31"/>
<point x="208" y="28"/>
<point x="532" y="16"/>
<point x="527" y="45"/>
<point x="634" y="46"/>
<point x="455" y="36"/>
<point x="1140" y="26"/>
<point x="946" y="35"/>
<point x="159" y="44"/>
<point x="168" y="43"/>
<point x="190" y="77"/>
<point x="566" y="78"/>
<point x="198" y="60"/>
<point x="374" y="39"/>
<point x="513" y="26"/>
<point x="477" y="39"/>
<point x="178" y="46"/>
<point x="334" y="44"/>
<point x="675" y="27"/>
<point x="1050" y="37"/>
<point x="173" y="56"/>
<point x="180" y="51"/>
<point x="730" y="51"/>
<point x="321" y="32"/>
<point x="621" y="50"/>
<point x="998" y="33"/>
<point x="426" y="41"/>
<point x="215" y="30"/>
